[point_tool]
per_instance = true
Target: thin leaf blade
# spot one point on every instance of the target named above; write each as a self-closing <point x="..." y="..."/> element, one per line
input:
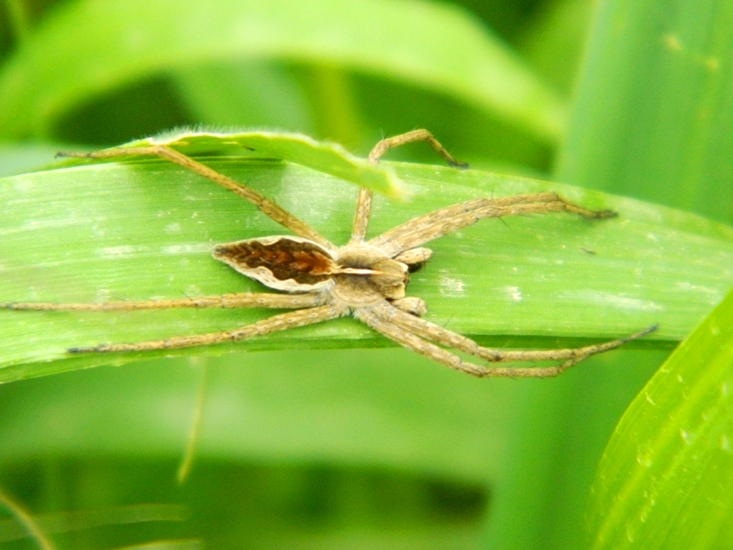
<point x="52" y="74"/>
<point x="327" y="157"/>
<point x="666" y="477"/>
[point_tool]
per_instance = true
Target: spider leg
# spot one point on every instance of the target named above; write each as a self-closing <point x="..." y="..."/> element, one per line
<point x="266" y="206"/>
<point x="410" y="137"/>
<point x="430" y="331"/>
<point x="413" y="333"/>
<point x="426" y="228"/>
<point x="364" y="199"/>
<point x="380" y="323"/>
<point x="243" y="299"/>
<point x="361" y="217"/>
<point x="283" y="321"/>
<point x="410" y="305"/>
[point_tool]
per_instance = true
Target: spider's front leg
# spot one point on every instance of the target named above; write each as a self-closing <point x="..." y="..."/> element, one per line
<point x="413" y="306"/>
<point x="429" y="227"/>
<point x="364" y="198"/>
<point x="414" y="258"/>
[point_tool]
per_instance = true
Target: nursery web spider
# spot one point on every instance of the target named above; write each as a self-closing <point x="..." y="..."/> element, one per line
<point x="364" y="278"/>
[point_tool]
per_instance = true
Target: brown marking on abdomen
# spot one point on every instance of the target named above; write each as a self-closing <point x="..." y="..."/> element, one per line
<point x="304" y="262"/>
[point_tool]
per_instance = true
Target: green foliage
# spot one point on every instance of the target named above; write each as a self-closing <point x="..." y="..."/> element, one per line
<point x="127" y="41"/>
<point x="538" y="266"/>
<point x="347" y="447"/>
<point x="674" y="439"/>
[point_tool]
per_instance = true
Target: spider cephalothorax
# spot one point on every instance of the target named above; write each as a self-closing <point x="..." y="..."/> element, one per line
<point x="366" y="279"/>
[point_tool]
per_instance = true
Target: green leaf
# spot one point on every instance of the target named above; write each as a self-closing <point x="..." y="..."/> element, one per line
<point x="61" y="522"/>
<point x="272" y="422"/>
<point x="443" y="49"/>
<point x="255" y="92"/>
<point x="17" y="159"/>
<point x="653" y="114"/>
<point x="141" y="230"/>
<point x="554" y="43"/>
<point x="651" y="118"/>
<point x="666" y="478"/>
<point x="326" y="157"/>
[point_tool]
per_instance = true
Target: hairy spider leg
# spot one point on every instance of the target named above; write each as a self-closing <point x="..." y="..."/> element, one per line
<point x="265" y="205"/>
<point x="225" y="301"/>
<point x="276" y="323"/>
<point x="430" y="331"/>
<point x="424" y="229"/>
<point x="364" y="197"/>
<point x="414" y="333"/>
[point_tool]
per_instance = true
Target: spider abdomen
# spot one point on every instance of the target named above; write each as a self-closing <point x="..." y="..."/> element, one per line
<point x="281" y="262"/>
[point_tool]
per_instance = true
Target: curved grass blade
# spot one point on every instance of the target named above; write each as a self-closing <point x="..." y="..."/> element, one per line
<point x="327" y="157"/>
<point x="91" y="47"/>
<point x="666" y="477"/>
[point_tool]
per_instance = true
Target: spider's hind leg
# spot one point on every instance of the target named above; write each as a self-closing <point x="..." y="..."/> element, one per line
<point x="223" y="301"/>
<point x="426" y="339"/>
<point x="276" y="323"/>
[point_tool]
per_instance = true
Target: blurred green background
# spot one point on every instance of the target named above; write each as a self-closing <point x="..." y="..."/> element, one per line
<point x="353" y="448"/>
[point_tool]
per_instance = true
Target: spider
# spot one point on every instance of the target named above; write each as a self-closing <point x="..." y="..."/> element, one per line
<point x="364" y="278"/>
